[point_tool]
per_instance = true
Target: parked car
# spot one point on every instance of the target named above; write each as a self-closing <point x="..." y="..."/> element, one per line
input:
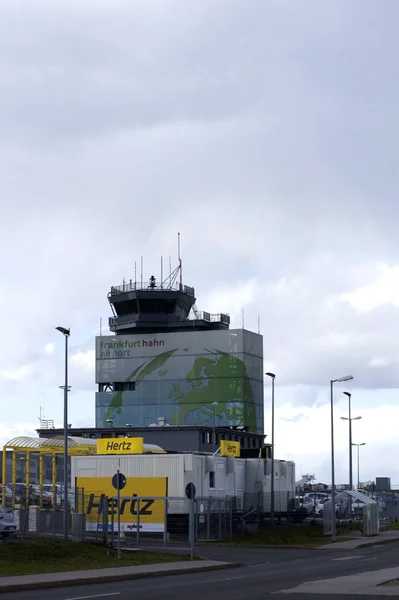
<point x="315" y="497"/>
<point x="7" y="495"/>
<point x="319" y="509"/>
<point x="8" y="525"/>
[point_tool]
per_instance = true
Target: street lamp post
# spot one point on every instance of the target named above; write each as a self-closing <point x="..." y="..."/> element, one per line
<point x="333" y="517"/>
<point x="66" y="333"/>
<point x="272" y="377"/>
<point x="358" y="462"/>
<point x="214" y="405"/>
<point x="350" y="419"/>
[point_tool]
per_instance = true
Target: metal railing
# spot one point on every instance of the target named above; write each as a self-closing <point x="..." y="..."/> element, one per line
<point x="155" y="521"/>
<point x="132" y="286"/>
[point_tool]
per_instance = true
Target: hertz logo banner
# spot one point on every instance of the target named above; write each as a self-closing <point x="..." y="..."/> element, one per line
<point x="148" y="511"/>
<point x="229" y="448"/>
<point x="120" y="446"/>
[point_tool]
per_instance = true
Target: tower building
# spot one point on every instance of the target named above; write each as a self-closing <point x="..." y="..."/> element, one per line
<point x="169" y="364"/>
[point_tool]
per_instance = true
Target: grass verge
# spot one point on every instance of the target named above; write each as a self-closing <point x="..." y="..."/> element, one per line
<point x="48" y="556"/>
<point x="305" y="535"/>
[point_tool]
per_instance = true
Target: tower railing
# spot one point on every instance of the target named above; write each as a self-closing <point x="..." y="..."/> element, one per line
<point x="132" y="286"/>
<point x="200" y="316"/>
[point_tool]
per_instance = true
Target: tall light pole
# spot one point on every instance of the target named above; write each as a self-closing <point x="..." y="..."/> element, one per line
<point x="66" y="333"/>
<point x="272" y="377"/>
<point x="214" y="405"/>
<point x="358" y="462"/>
<point x="333" y="517"/>
<point x="350" y="419"/>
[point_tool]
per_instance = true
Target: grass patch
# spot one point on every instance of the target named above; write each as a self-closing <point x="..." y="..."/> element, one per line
<point x="51" y="556"/>
<point x="392" y="526"/>
<point x="305" y="535"/>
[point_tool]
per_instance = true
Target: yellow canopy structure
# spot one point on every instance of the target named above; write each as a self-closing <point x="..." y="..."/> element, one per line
<point x="42" y="447"/>
<point x="46" y="449"/>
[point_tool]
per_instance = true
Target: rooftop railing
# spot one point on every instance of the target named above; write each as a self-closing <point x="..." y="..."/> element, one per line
<point x="132" y="286"/>
<point x="200" y="316"/>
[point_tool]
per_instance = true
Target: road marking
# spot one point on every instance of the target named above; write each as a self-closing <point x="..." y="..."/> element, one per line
<point x="347" y="557"/>
<point x="230" y="578"/>
<point x="257" y="565"/>
<point x="95" y="596"/>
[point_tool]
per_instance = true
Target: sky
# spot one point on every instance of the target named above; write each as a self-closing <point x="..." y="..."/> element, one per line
<point x="266" y="133"/>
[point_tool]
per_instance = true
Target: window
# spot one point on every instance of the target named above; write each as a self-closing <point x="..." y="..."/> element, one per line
<point x="212" y="479"/>
<point x="125" y="386"/>
<point x="118" y="386"/>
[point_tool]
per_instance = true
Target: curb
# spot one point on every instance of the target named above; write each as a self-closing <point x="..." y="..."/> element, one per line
<point x="110" y="578"/>
<point x="378" y="542"/>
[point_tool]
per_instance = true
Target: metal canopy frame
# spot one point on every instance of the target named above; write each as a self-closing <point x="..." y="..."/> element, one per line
<point x="53" y="446"/>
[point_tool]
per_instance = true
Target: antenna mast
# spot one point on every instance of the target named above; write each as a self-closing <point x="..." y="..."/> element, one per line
<point x="179" y="259"/>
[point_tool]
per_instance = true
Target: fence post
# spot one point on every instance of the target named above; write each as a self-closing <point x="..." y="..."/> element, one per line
<point x="138" y="522"/>
<point x="165" y="519"/>
<point x="112" y="521"/>
<point x="231" y="518"/>
<point x="208" y="521"/>
<point x="191" y="532"/>
<point x="105" y="513"/>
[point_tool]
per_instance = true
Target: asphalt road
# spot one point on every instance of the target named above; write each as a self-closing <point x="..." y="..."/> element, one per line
<point x="265" y="571"/>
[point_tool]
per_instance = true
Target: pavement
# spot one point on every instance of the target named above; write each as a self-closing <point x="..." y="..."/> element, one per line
<point x="338" y="571"/>
<point x="73" y="578"/>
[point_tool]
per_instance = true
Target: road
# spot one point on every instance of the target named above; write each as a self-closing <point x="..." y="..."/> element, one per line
<point x="265" y="572"/>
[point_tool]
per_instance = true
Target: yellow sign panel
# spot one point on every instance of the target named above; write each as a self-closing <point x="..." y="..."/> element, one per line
<point x="120" y="446"/>
<point x="228" y="448"/>
<point x="138" y="504"/>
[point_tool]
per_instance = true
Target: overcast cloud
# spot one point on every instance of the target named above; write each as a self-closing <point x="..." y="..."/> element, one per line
<point x="266" y="132"/>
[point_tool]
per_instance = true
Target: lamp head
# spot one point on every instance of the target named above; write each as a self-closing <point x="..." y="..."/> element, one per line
<point x="64" y="331"/>
<point x="342" y="379"/>
<point x="272" y="375"/>
<point x="347" y="394"/>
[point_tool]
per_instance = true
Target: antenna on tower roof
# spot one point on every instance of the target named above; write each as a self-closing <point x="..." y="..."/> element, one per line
<point x="141" y="272"/>
<point x="259" y="324"/>
<point x="179" y="259"/>
<point x="161" y="272"/>
<point x="135" y="274"/>
<point x="243" y="318"/>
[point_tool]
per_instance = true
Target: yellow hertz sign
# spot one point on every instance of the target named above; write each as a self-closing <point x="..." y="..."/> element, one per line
<point x="138" y="504"/>
<point x="229" y="448"/>
<point x="120" y="446"/>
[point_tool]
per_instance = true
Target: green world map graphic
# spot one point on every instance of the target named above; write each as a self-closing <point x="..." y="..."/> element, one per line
<point x="218" y="377"/>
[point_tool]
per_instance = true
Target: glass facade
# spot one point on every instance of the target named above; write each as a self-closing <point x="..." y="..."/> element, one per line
<point x="198" y="378"/>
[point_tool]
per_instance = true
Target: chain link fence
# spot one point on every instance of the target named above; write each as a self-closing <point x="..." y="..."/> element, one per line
<point x="145" y="521"/>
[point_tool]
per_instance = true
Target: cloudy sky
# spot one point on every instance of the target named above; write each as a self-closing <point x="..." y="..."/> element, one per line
<point x="266" y="132"/>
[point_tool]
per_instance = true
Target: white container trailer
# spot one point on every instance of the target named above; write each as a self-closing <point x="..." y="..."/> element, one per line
<point x="259" y="482"/>
<point x="215" y="477"/>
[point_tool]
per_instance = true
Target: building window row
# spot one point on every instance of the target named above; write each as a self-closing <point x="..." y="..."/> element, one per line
<point x="117" y="386"/>
<point x="245" y="442"/>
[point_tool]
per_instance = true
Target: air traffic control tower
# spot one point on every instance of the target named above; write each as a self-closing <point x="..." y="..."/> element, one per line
<point x="169" y="364"/>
